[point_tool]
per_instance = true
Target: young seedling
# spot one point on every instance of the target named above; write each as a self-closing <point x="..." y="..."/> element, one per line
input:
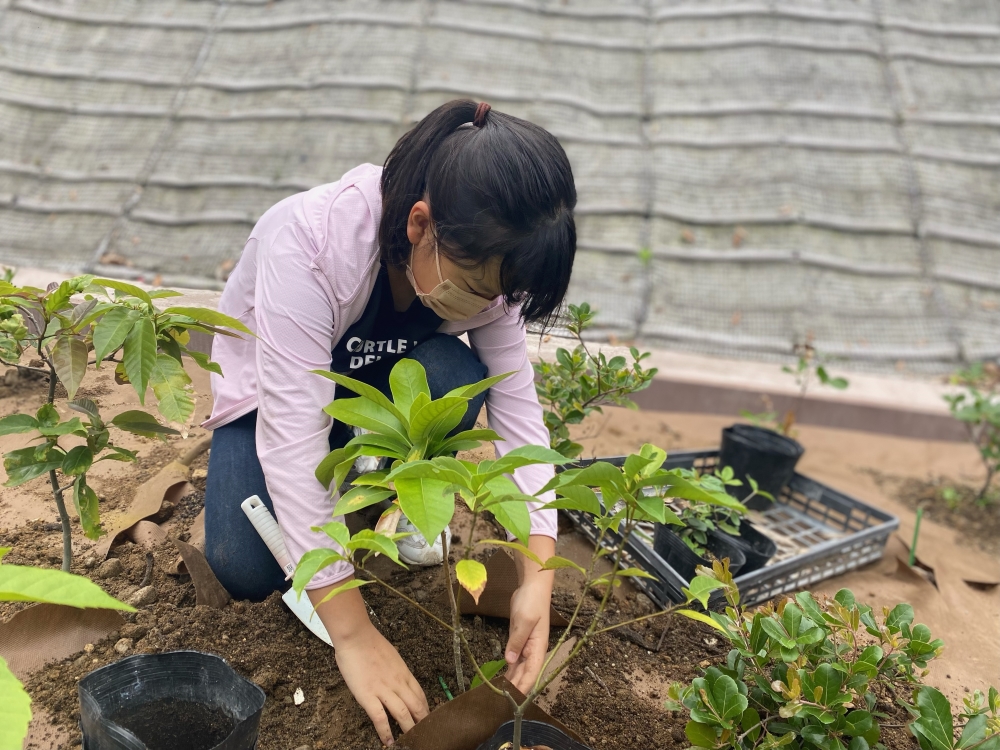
<point x="809" y="365"/>
<point x="24" y="584"/>
<point x="808" y="673"/>
<point x="112" y="321"/>
<point x="579" y="383"/>
<point x="978" y="409"/>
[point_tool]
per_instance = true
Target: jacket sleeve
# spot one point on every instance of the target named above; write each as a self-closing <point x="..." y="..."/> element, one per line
<point x="295" y="316"/>
<point x="512" y="407"/>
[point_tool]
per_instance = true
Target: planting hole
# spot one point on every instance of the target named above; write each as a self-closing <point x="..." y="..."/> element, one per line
<point x="169" y="724"/>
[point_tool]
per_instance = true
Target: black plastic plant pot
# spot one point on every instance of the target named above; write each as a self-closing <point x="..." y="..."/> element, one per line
<point x="533" y="733"/>
<point x="755" y="546"/>
<point x="682" y="558"/>
<point x="180" y="699"/>
<point x="763" y="454"/>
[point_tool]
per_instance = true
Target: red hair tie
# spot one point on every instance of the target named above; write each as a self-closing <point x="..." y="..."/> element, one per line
<point x="479" y="119"/>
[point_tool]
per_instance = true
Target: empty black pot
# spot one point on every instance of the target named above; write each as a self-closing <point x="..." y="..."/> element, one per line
<point x="682" y="558"/>
<point x="533" y="733"/>
<point x="755" y="546"/>
<point x="763" y="454"/>
<point x="180" y="699"/>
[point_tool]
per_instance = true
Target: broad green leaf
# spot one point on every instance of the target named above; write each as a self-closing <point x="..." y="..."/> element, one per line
<point x="139" y="355"/>
<point x="140" y="423"/>
<point x="514" y="517"/>
<point x="490" y="670"/>
<point x="829" y="680"/>
<point x="557" y="563"/>
<point x="77" y="461"/>
<point x="598" y="474"/>
<point x="857" y="723"/>
<point x="974" y="733"/>
<point x="21" y="583"/>
<point x="700" y="735"/>
<point x="354" y="583"/>
<point x="465" y="440"/>
<point x="111" y="330"/>
<point x="364" y="390"/>
<point x="653" y="505"/>
<point x="360" y="497"/>
<point x="750" y="723"/>
<point x="69" y="357"/>
<point x="527" y="455"/>
<point x="337" y="531"/>
<point x="332" y="470"/>
<point x="935" y="723"/>
<point x="472" y="575"/>
<point x="47" y="416"/>
<point x="810" y="607"/>
<point x="17" y="423"/>
<point x="22" y="466"/>
<point x="473" y="390"/>
<point x="428" y="504"/>
<point x="310" y="564"/>
<point x="162" y="293"/>
<point x="845" y="597"/>
<point x="88" y="407"/>
<point x="128" y="289"/>
<point x="203" y="361"/>
<point x="635" y="573"/>
<point x="676" y="486"/>
<point x="727" y="699"/>
<point x="210" y="317"/>
<point x="72" y="426"/>
<point x="901" y="614"/>
<point x="85" y="500"/>
<point x="172" y="387"/>
<point x="376" y="542"/>
<point x="701" y="589"/>
<point x="635" y="465"/>
<point x="406" y="380"/>
<point x="656" y="455"/>
<point x="58" y="298"/>
<point x="437" y="419"/>
<point x="576" y="497"/>
<point x="15" y="709"/>
<point x="701" y="617"/>
<point x="514" y="546"/>
<point x="360" y="412"/>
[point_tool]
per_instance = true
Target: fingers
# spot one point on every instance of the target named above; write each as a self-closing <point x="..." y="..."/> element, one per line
<point x="397" y="707"/>
<point x="520" y="631"/>
<point x="373" y="707"/>
<point x="415" y="699"/>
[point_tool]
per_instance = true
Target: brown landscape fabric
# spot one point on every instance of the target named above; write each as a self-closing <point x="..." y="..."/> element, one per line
<point x="471" y="719"/>
<point x="196" y="538"/>
<point x="207" y="588"/>
<point x="43" y="633"/>
<point x="501" y="583"/>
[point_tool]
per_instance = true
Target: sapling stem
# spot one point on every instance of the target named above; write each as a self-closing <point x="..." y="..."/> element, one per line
<point x="57" y="493"/>
<point x="916" y="533"/>
<point x="456" y="617"/>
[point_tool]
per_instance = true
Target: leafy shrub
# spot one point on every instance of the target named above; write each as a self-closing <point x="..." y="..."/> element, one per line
<point x="578" y="383"/>
<point x="978" y="409"/>
<point x="809" y="673"/>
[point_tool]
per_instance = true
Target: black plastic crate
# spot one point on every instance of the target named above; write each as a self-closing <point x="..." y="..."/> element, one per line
<point x="821" y="533"/>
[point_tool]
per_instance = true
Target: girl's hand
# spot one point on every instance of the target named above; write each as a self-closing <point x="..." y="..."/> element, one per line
<point x="373" y="670"/>
<point x="529" y="617"/>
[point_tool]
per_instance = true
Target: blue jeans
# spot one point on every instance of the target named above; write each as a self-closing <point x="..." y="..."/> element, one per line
<point x="237" y="555"/>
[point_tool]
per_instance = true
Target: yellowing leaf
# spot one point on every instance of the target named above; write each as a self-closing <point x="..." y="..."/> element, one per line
<point x="472" y="576"/>
<point x="701" y="617"/>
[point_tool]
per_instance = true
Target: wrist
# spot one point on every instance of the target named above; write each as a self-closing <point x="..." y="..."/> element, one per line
<point x="530" y="573"/>
<point x="345" y="616"/>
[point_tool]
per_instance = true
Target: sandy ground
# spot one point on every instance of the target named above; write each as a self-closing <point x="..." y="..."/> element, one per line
<point x="967" y="618"/>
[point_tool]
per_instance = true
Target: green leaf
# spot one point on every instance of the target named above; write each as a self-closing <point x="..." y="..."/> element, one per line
<point x="162" y="293"/>
<point x="88" y="407"/>
<point x="635" y="573"/>
<point x="22" y="466"/>
<point x="337" y="531"/>
<point x="514" y="546"/>
<point x="701" y="589"/>
<point x="72" y="426"/>
<point x="701" y="617"/>
<point x="857" y="723"/>
<point x="17" y="423"/>
<point x="935" y="724"/>
<point x="385" y="444"/>
<point x="428" y="503"/>
<point x="577" y="498"/>
<point x="203" y="361"/>
<point x="360" y="497"/>
<point x="727" y="699"/>
<point x="128" y="289"/>
<point x="472" y="575"/>
<point x="311" y="563"/>
<point x="845" y="597"/>
<point x="140" y="423"/>
<point x="111" y="330"/>
<point x="47" y="416"/>
<point x="333" y="469"/>
<point x="437" y="419"/>
<point x="360" y="412"/>
<point x="526" y="455"/>
<point x="27" y="584"/>
<point x="69" y="357"/>
<point x="514" y="517"/>
<point x="466" y="440"/>
<point x="490" y="670"/>
<point x="85" y="500"/>
<point x="15" y="709"/>
<point x="406" y="380"/>
<point x="376" y="542"/>
<point x="557" y="563"/>
<point x="77" y="461"/>
<point x="210" y="317"/>
<point x="139" y="355"/>
<point x="473" y="390"/>
<point x="901" y="614"/>
<point x="354" y="583"/>
<point x="172" y="387"/>
<point x="364" y="390"/>
<point x="700" y="735"/>
<point x="750" y="723"/>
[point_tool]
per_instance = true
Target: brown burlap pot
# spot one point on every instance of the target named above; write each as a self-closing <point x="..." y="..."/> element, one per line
<point x="472" y="719"/>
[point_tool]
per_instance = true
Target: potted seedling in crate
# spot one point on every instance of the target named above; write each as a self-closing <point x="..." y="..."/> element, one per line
<point x="412" y="430"/>
<point x="87" y="322"/>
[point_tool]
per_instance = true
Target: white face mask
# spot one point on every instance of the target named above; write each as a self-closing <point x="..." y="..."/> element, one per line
<point x="446" y="299"/>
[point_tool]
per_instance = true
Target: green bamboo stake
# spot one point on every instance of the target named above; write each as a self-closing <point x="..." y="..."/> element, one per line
<point x="916" y="532"/>
<point x="444" y="686"/>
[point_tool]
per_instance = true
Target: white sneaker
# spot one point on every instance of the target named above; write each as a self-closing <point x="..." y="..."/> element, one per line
<point x="414" y="549"/>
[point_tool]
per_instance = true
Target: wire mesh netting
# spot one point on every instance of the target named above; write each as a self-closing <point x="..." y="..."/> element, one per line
<point x="750" y="175"/>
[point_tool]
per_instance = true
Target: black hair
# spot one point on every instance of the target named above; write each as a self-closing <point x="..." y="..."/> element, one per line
<point x="502" y="187"/>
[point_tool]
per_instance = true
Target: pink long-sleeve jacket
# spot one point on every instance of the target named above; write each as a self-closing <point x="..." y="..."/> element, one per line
<point x="305" y="276"/>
